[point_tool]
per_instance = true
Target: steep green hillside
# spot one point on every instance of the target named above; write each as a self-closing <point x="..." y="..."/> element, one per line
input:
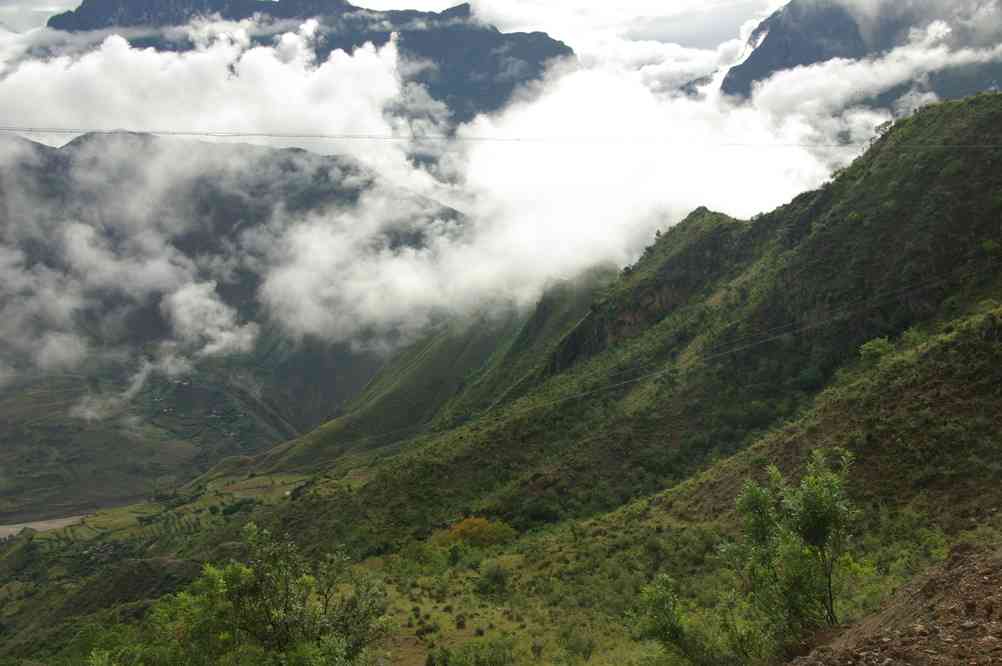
<point x="451" y="376"/>
<point x="723" y="330"/>
<point x="614" y="432"/>
<point x="922" y="417"/>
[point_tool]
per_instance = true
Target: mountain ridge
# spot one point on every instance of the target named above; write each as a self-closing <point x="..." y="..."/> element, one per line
<point x="809" y="32"/>
<point x="237" y="404"/>
<point x="100" y="14"/>
<point x="477" y="67"/>
<point x="814" y="235"/>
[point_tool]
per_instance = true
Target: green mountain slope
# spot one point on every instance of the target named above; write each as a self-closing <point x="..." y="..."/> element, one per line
<point x="614" y="426"/>
<point x="464" y="369"/>
<point x="922" y="417"/>
<point x="722" y="331"/>
<point x="53" y="463"/>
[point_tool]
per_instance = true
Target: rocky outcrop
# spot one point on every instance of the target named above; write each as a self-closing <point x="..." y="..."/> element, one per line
<point x="808" y="32"/>
<point x="953" y="615"/>
<point x="802" y="33"/>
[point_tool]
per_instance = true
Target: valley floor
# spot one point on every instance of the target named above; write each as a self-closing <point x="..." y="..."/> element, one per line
<point x="40" y="526"/>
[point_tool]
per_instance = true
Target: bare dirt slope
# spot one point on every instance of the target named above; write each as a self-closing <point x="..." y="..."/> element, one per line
<point x="952" y="615"/>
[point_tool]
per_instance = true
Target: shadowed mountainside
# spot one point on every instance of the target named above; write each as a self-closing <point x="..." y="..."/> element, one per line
<point x="84" y="217"/>
<point x="474" y="67"/>
<point x="807" y="32"/>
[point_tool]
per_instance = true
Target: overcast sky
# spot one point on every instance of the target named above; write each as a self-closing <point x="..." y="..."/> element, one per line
<point x="697" y="23"/>
<point x="693" y="23"/>
<point x="26" y="14"/>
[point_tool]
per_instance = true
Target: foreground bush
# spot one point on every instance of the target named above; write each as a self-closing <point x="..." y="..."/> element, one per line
<point x="794" y="539"/>
<point x="276" y="609"/>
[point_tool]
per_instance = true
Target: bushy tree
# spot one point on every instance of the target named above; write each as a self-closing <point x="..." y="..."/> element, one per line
<point x="875" y="350"/>
<point x="793" y="539"/>
<point x="665" y="620"/>
<point x="278" y="608"/>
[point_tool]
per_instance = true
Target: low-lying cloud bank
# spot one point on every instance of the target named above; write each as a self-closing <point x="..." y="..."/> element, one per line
<point x="579" y="171"/>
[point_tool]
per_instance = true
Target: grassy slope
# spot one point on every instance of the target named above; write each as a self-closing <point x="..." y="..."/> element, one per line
<point x="745" y="324"/>
<point x="926" y="477"/>
<point x="924" y="422"/>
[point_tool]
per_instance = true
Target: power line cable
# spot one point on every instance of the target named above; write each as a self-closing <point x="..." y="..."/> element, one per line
<point x="446" y="138"/>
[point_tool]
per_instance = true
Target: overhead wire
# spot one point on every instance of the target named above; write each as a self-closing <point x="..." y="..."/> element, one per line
<point x="462" y="138"/>
<point x="773" y="334"/>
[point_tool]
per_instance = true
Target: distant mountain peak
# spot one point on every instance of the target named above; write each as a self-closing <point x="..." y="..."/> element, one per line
<point x="100" y="14"/>
<point x="463" y="11"/>
<point x="808" y="32"/>
<point x="473" y="61"/>
<point x="803" y="32"/>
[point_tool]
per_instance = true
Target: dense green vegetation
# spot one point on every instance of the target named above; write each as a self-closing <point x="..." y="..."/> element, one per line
<point x="659" y="432"/>
<point x="723" y="330"/>
<point x="795" y="539"/>
<point x="449" y="377"/>
<point x="279" y="608"/>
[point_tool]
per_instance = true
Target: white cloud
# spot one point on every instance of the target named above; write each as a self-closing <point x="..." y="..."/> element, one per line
<point x="28" y="14"/>
<point x="60" y="351"/>
<point x="977" y="23"/>
<point x="828" y="87"/>
<point x="223" y="86"/>
<point x="603" y="154"/>
<point x="598" y="161"/>
<point x="579" y="22"/>
<point x="203" y="323"/>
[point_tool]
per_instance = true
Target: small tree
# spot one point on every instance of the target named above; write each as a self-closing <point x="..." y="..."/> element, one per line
<point x="663" y="620"/>
<point x="794" y="539"/>
<point x="873" y="351"/>
<point x="480" y="532"/>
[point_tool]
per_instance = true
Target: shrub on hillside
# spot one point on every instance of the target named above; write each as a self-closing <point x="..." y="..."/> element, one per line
<point x="481" y="532"/>
<point x="276" y="609"/>
<point x="873" y="351"/>
<point x="794" y="538"/>
<point x="490" y="652"/>
<point x="494" y="578"/>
